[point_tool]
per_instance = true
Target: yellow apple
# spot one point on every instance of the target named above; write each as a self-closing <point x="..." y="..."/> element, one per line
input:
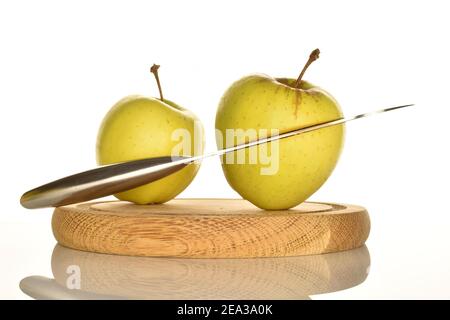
<point x="140" y="127"/>
<point x="298" y="165"/>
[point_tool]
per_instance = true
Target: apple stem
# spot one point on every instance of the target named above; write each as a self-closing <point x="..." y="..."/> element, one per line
<point x="154" y="70"/>
<point x="312" y="57"/>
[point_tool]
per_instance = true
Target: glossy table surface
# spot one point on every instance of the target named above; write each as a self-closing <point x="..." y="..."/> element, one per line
<point x="395" y="263"/>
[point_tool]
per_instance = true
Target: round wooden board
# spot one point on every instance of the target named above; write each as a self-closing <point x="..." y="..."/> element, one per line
<point x="210" y="228"/>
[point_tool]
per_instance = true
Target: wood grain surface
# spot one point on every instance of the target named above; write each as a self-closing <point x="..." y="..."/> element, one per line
<point x="210" y="228"/>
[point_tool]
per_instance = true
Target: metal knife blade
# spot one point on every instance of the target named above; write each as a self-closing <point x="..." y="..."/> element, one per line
<point x="114" y="178"/>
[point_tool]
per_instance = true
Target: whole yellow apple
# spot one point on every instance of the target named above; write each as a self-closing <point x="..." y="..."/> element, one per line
<point x="280" y="174"/>
<point x="140" y="127"/>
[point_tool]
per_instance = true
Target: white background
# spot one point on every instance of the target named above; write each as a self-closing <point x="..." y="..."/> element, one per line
<point x="64" y="64"/>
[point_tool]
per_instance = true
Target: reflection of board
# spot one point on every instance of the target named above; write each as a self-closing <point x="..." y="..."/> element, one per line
<point x="177" y="278"/>
<point x="210" y="228"/>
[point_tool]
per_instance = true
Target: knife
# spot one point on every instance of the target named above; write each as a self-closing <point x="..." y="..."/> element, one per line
<point x="110" y="179"/>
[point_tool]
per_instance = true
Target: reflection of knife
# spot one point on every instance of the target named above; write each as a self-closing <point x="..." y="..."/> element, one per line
<point x="110" y="179"/>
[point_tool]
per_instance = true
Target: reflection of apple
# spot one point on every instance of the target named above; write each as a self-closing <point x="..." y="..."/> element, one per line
<point x="305" y="161"/>
<point x="141" y="127"/>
